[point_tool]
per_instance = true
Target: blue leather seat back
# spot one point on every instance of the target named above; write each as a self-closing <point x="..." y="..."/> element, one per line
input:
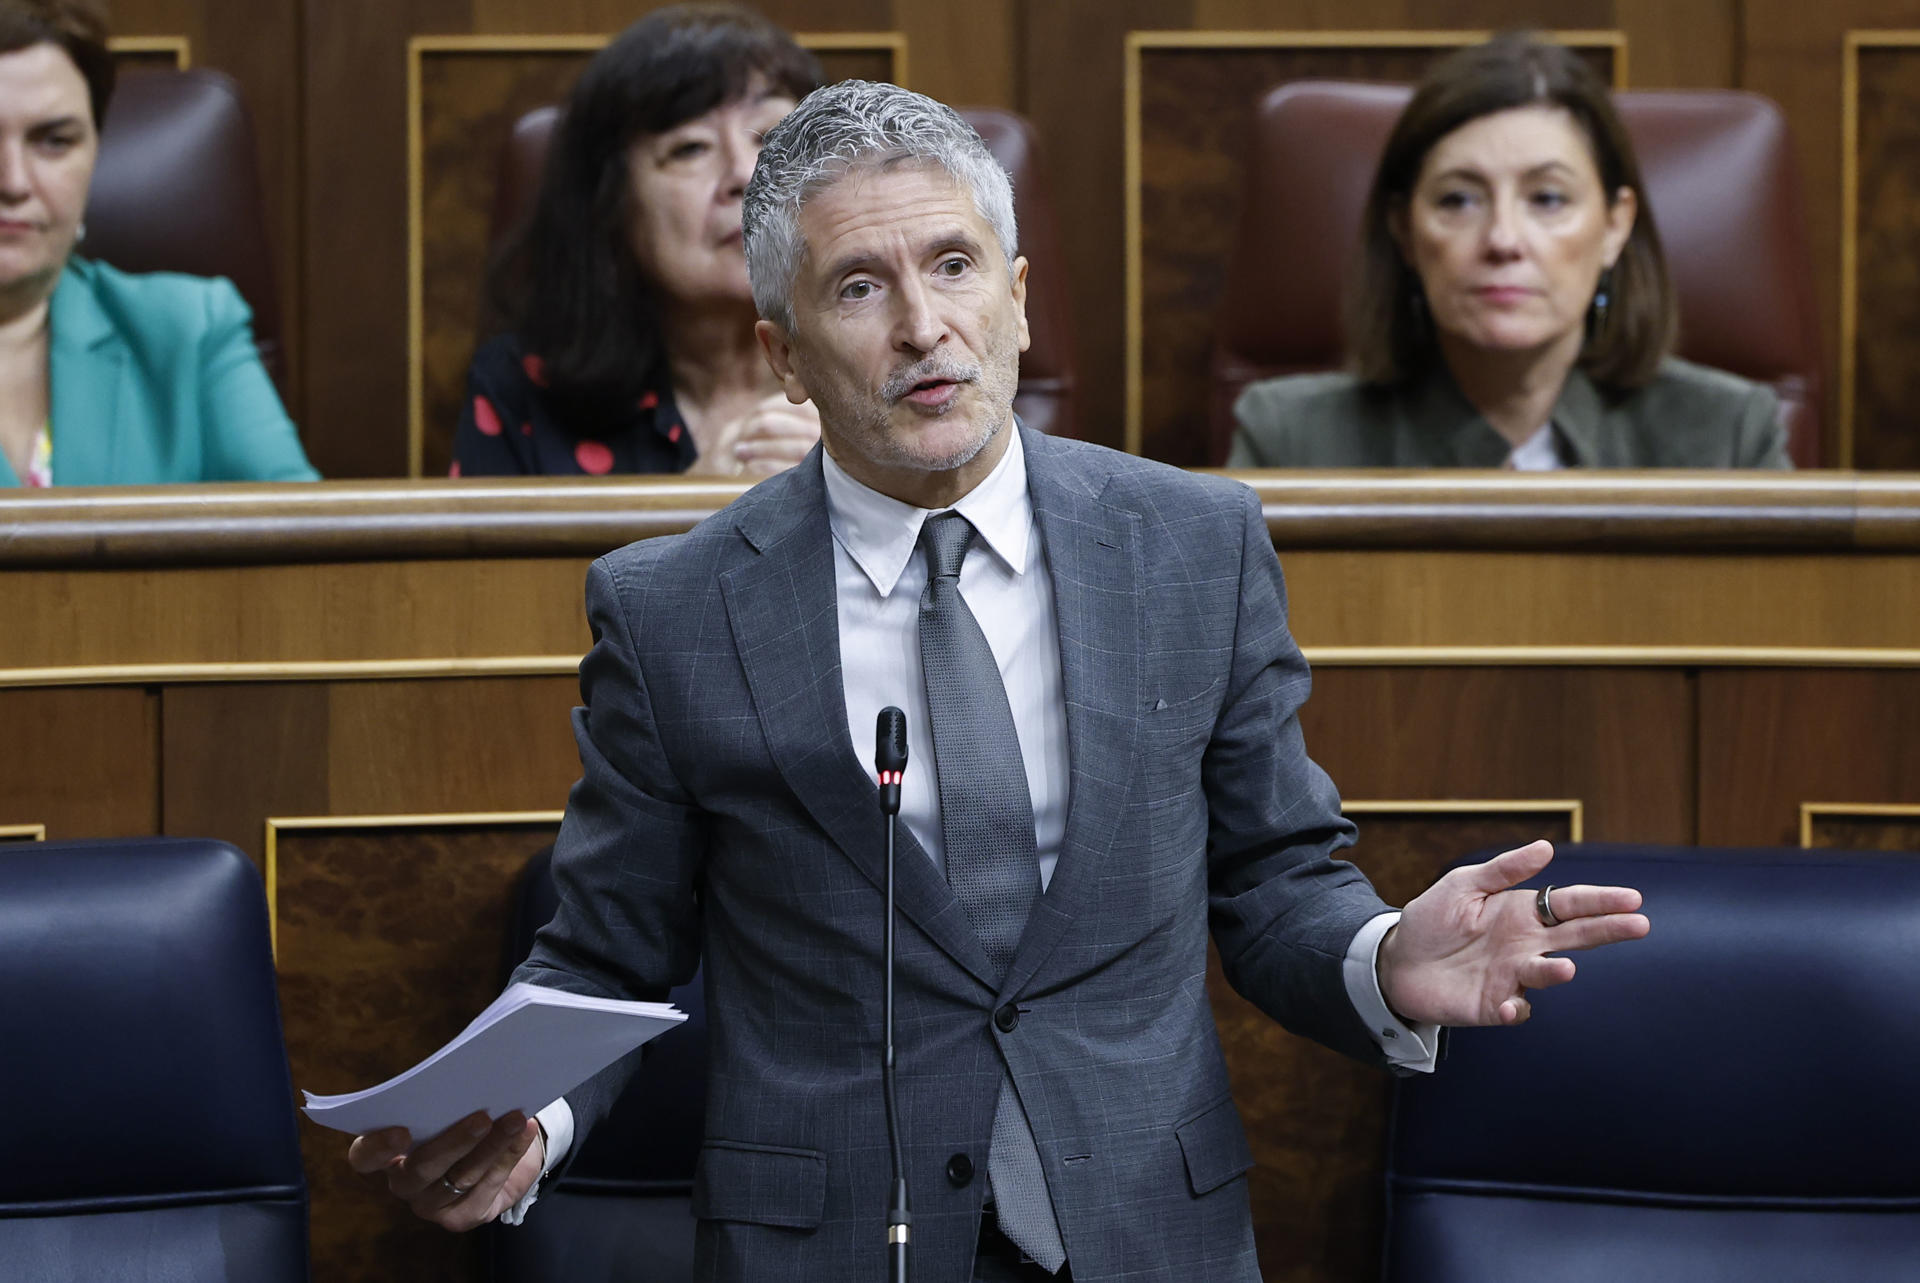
<point x="144" y="1068"/>
<point x="1727" y="1098"/>
<point x="623" y="1212"/>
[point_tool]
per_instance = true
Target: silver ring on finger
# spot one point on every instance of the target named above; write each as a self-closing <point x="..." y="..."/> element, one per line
<point x="1543" y="906"/>
<point x="458" y="1191"/>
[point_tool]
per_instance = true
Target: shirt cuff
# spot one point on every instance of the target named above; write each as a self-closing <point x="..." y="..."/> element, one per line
<point x="1408" y="1048"/>
<point x="556" y="1124"/>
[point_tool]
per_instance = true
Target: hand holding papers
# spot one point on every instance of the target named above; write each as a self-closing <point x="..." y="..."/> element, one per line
<point x="529" y="1048"/>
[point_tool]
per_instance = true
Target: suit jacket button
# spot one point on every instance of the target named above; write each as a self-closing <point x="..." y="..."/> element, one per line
<point x="1006" y="1018"/>
<point x="960" y="1171"/>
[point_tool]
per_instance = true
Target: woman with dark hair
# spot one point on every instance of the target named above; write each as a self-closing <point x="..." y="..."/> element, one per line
<point x="1511" y="306"/>
<point x="108" y="377"/>
<point x="631" y="345"/>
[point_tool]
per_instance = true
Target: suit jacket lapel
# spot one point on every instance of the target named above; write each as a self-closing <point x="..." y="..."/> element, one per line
<point x="782" y="608"/>
<point x="85" y="360"/>
<point x="1093" y="555"/>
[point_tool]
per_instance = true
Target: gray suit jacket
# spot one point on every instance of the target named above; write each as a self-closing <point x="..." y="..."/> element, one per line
<point x="723" y="811"/>
<point x="1688" y="417"/>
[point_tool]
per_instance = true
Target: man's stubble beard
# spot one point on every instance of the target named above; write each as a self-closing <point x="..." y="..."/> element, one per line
<point x="867" y="426"/>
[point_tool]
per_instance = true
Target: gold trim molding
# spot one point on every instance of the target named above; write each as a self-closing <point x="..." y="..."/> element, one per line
<point x="1140" y="42"/>
<point x="420" y="47"/>
<point x="277" y="825"/>
<point x="1811" y="811"/>
<point x="179" y="46"/>
<point x="319" y="670"/>
<point x="31" y="832"/>
<point x="1573" y="808"/>
<point x="1854" y="42"/>
<point x="364" y="670"/>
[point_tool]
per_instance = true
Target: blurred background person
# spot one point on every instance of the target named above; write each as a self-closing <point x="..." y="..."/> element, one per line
<point x="1511" y="305"/>
<point x="108" y="377"/>
<point x="631" y="344"/>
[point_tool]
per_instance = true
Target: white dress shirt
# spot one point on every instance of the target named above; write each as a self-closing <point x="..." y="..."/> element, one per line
<point x="879" y="574"/>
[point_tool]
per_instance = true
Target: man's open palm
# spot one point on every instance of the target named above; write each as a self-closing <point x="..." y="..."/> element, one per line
<point x="1467" y="950"/>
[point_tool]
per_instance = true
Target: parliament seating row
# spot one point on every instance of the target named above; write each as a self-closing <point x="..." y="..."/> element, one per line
<point x="1724" y="1100"/>
<point x="1718" y="167"/>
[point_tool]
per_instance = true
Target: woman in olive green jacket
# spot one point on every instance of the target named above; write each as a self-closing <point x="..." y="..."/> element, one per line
<point x="1512" y="307"/>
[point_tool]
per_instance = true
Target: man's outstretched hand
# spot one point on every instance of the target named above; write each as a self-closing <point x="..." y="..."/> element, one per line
<point x="491" y="1163"/>
<point x="1467" y="950"/>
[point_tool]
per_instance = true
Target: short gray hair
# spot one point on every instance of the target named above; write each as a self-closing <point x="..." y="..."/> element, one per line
<point x="852" y="124"/>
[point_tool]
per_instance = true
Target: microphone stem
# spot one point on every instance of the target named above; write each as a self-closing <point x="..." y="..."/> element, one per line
<point x="898" y="1218"/>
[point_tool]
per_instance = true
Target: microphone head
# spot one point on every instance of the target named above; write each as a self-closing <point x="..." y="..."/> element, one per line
<point x="890" y="740"/>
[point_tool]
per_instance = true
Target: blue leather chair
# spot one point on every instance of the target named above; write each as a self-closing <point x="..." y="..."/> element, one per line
<point x="1729" y="1099"/>
<point x="622" y="1210"/>
<point x="150" y="1122"/>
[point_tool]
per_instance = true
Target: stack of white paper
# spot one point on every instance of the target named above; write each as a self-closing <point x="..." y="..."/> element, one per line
<point x="526" y="1050"/>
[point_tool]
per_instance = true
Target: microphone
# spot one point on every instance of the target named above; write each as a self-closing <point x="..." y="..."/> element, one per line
<point x="890" y="761"/>
<point x="890" y="756"/>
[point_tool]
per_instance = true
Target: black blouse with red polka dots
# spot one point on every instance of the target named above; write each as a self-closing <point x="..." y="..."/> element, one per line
<point x="509" y="427"/>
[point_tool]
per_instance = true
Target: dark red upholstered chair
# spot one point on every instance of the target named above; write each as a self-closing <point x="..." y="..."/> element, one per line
<point x="1044" y="398"/>
<point x="177" y="189"/>
<point x="1720" y="177"/>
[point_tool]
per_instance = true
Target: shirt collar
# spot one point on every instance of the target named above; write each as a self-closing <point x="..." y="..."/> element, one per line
<point x="880" y="533"/>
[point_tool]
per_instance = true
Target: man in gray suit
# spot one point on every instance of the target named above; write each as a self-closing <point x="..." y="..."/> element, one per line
<point x="1063" y="1099"/>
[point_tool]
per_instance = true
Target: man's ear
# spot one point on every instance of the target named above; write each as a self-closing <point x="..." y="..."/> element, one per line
<point x="779" y="350"/>
<point x="1019" y="273"/>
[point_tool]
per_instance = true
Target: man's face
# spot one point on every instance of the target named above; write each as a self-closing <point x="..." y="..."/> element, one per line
<point x="908" y="324"/>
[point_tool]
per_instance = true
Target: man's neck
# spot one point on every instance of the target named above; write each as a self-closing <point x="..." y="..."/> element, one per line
<point x="921" y="489"/>
<point x="1514" y="391"/>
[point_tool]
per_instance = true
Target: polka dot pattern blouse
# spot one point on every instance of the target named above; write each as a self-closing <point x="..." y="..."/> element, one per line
<point x="508" y="426"/>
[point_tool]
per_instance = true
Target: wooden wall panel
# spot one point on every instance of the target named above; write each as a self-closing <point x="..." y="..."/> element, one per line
<point x="238" y="614"/>
<point x="1196" y="114"/>
<point x="1618" y="740"/>
<point x="1318" y="1121"/>
<point x="1888" y="828"/>
<point x="1884" y="391"/>
<point x="469" y="100"/>
<point x="82" y="763"/>
<point x="1772" y="740"/>
<point x="1793" y="52"/>
<point x="236" y="755"/>
<point x="136" y="56"/>
<point x="389" y="940"/>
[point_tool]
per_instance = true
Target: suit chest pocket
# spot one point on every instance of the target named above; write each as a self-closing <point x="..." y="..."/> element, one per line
<point x="1173" y="738"/>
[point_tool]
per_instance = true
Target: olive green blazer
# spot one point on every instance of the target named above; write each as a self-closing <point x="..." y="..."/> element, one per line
<point x="1688" y="417"/>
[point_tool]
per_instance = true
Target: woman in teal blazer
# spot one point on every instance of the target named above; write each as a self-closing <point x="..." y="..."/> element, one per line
<point x="154" y="378"/>
<point x="106" y="377"/>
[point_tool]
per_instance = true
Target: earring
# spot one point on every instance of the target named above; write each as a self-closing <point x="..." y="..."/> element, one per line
<point x="79" y="231"/>
<point x="1602" y="297"/>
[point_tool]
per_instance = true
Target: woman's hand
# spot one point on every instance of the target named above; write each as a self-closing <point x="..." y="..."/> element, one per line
<point x="775" y="435"/>
<point x="771" y="437"/>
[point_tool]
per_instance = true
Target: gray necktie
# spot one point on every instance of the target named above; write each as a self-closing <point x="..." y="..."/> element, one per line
<point x="986" y="819"/>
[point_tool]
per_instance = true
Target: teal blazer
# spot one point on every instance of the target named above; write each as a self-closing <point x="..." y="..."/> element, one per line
<point x="155" y="377"/>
